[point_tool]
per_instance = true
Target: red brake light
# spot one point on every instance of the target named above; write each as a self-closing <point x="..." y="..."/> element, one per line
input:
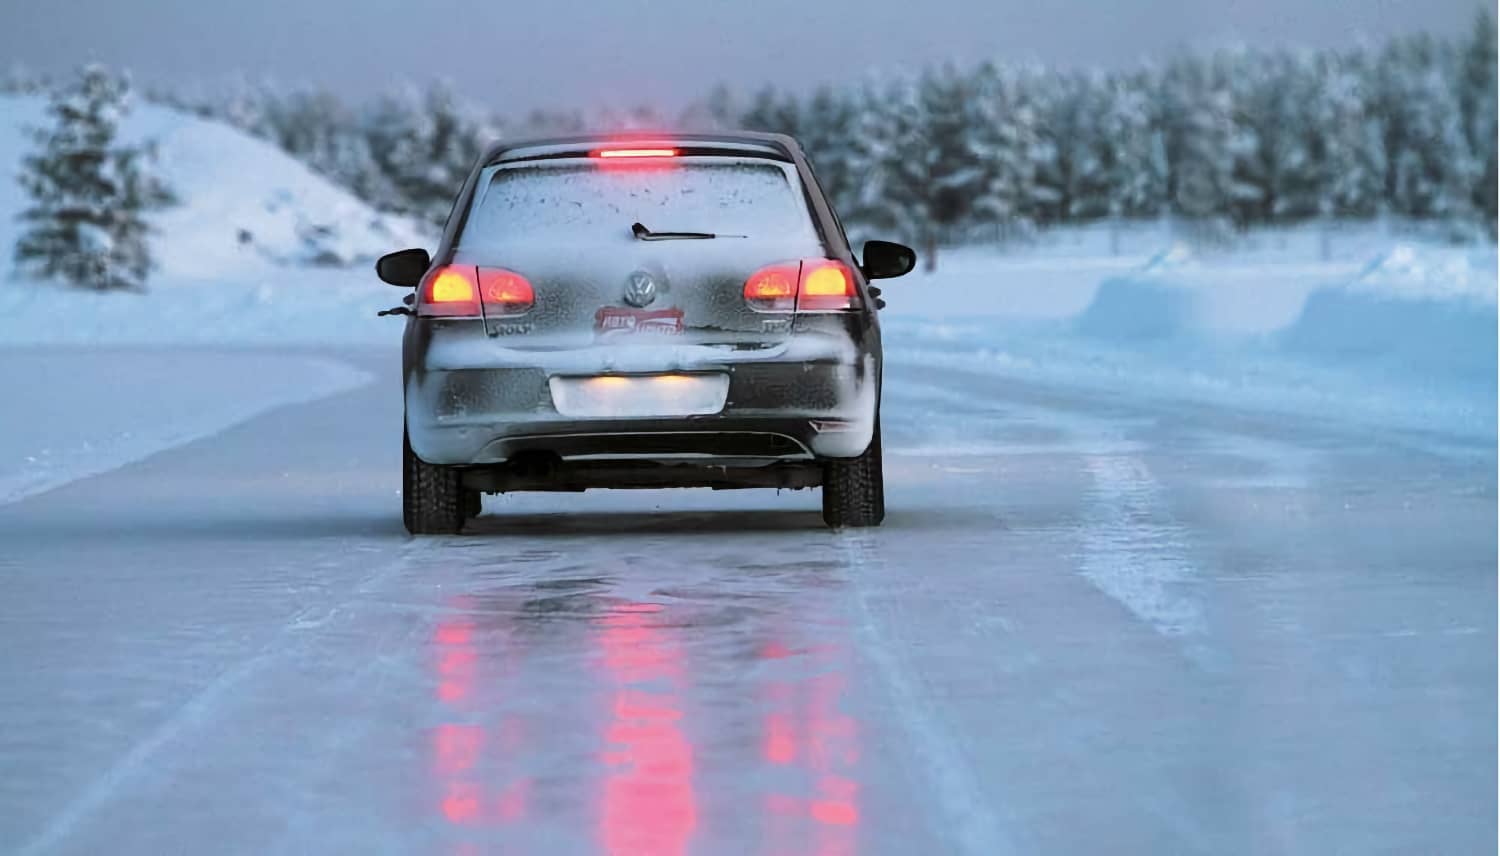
<point x="811" y="285"/>
<point x="826" y="284"/>
<point x="635" y="153"/>
<point x="505" y="292"/>
<point x="773" y="288"/>
<point x="451" y="290"/>
<point x="455" y="291"/>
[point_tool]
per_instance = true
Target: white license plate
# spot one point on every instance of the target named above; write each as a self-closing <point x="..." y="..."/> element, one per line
<point x="637" y="396"/>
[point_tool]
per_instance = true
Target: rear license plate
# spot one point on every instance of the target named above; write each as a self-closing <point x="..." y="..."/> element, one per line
<point x="621" y="320"/>
<point x="639" y="396"/>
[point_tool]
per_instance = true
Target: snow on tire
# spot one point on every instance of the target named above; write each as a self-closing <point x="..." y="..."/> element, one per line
<point x="854" y="488"/>
<point x="432" y="499"/>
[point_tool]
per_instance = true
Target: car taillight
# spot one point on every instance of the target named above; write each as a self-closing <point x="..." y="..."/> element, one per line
<point x="505" y="292"/>
<point x="774" y="288"/>
<point x="826" y="285"/>
<point x="448" y="291"/>
<point x="455" y="291"/>
<point x="811" y="285"/>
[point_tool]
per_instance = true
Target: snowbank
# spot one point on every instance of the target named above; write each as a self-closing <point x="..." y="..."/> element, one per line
<point x="1178" y="294"/>
<point x="1407" y="338"/>
<point x="1427" y="313"/>
<point x="76" y="413"/>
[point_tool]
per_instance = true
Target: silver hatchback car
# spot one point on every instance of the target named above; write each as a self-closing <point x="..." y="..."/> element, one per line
<point x="673" y="311"/>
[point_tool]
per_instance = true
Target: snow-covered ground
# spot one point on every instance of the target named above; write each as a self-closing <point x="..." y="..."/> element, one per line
<point x="1166" y="569"/>
<point x="80" y="412"/>
<point x="1119" y="625"/>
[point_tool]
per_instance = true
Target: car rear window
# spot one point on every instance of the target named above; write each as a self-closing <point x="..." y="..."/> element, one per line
<point x="570" y="201"/>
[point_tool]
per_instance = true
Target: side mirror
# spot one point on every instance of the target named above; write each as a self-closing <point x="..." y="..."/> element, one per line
<point x="404" y="268"/>
<point x="885" y="260"/>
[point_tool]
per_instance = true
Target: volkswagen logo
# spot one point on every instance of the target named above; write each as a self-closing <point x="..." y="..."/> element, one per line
<point x="640" y="289"/>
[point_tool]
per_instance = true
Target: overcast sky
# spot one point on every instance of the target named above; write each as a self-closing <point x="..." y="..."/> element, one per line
<point x="577" y="53"/>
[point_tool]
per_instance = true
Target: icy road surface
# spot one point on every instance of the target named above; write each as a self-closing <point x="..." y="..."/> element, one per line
<point x="1089" y="625"/>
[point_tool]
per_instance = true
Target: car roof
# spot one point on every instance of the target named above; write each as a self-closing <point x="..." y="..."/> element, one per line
<point x="777" y="146"/>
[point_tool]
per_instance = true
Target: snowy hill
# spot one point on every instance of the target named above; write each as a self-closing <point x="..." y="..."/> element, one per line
<point x="245" y="207"/>
<point x="259" y="249"/>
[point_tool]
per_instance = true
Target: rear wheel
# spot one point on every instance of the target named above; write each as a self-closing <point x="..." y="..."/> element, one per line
<point x="854" y="488"/>
<point x="433" y="502"/>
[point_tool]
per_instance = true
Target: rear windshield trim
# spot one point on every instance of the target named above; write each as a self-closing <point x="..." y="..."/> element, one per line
<point x="487" y="177"/>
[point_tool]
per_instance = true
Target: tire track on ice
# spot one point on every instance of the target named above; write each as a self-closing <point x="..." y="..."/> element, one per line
<point x="961" y="807"/>
<point x="198" y="710"/>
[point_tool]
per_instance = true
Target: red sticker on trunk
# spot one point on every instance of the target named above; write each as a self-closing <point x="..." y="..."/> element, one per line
<point x="620" y="320"/>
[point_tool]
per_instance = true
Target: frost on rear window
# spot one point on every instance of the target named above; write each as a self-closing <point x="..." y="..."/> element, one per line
<point x="571" y="202"/>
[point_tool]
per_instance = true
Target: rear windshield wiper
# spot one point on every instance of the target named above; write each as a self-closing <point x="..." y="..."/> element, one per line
<point x="644" y="234"/>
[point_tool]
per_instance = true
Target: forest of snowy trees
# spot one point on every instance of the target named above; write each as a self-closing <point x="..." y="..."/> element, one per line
<point x="1230" y="139"/>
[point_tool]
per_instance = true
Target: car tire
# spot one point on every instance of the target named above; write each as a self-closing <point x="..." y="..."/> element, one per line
<point x="854" y="488"/>
<point x="432" y="498"/>
<point x="473" y="504"/>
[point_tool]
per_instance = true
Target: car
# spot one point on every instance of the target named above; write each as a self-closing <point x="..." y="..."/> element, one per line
<point x="677" y="310"/>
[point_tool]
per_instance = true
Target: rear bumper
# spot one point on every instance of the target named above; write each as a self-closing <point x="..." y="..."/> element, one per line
<point x="812" y="397"/>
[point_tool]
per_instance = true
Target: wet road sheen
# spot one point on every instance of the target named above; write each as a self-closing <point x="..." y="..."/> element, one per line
<point x="1085" y="627"/>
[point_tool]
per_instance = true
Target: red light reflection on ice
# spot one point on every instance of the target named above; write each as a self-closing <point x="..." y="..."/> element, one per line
<point x="467" y="757"/>
<point x="461" y="802"/>
<point x="803" y="729"/>
<point x="456" y="748"/>
<point x="649" y="803"/>
<point x="456" y="660"/>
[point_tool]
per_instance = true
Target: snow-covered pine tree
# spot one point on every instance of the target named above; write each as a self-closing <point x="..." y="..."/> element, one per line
<point x="1072" y="106"/>
<point x="1042" y="92"/>
<point x="773" y="112"/>
<point x="1204" y="142"/>
<point x="891" y="159"/>
<point x="551" y="123"/>
<point x="20" y="80"/>
<point x="1351" y="151"/>
<point x="425" y="143"/>
<point x="89" y="193"/>
<point x="722" y="107"/>
<point x="1477" y="100"/>
<point x="1134" y="168"/>
<point x="871" y="131"/>
<point x="946" y="178"/>
<point x="1430" y="169"/>
<point x="314" y="126"/>
<point x="1264" y="88"/>
<point x="717" y="111"/>
<point x="1001" y="137"/>
<point x="827" y="136"/>
<point x="247" y="105"/>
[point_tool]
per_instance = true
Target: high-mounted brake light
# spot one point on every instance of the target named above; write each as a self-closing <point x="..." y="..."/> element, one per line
<point x="455" y="291"/>
<point x="635" y="153"/>
<point x="810" y="285"/>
